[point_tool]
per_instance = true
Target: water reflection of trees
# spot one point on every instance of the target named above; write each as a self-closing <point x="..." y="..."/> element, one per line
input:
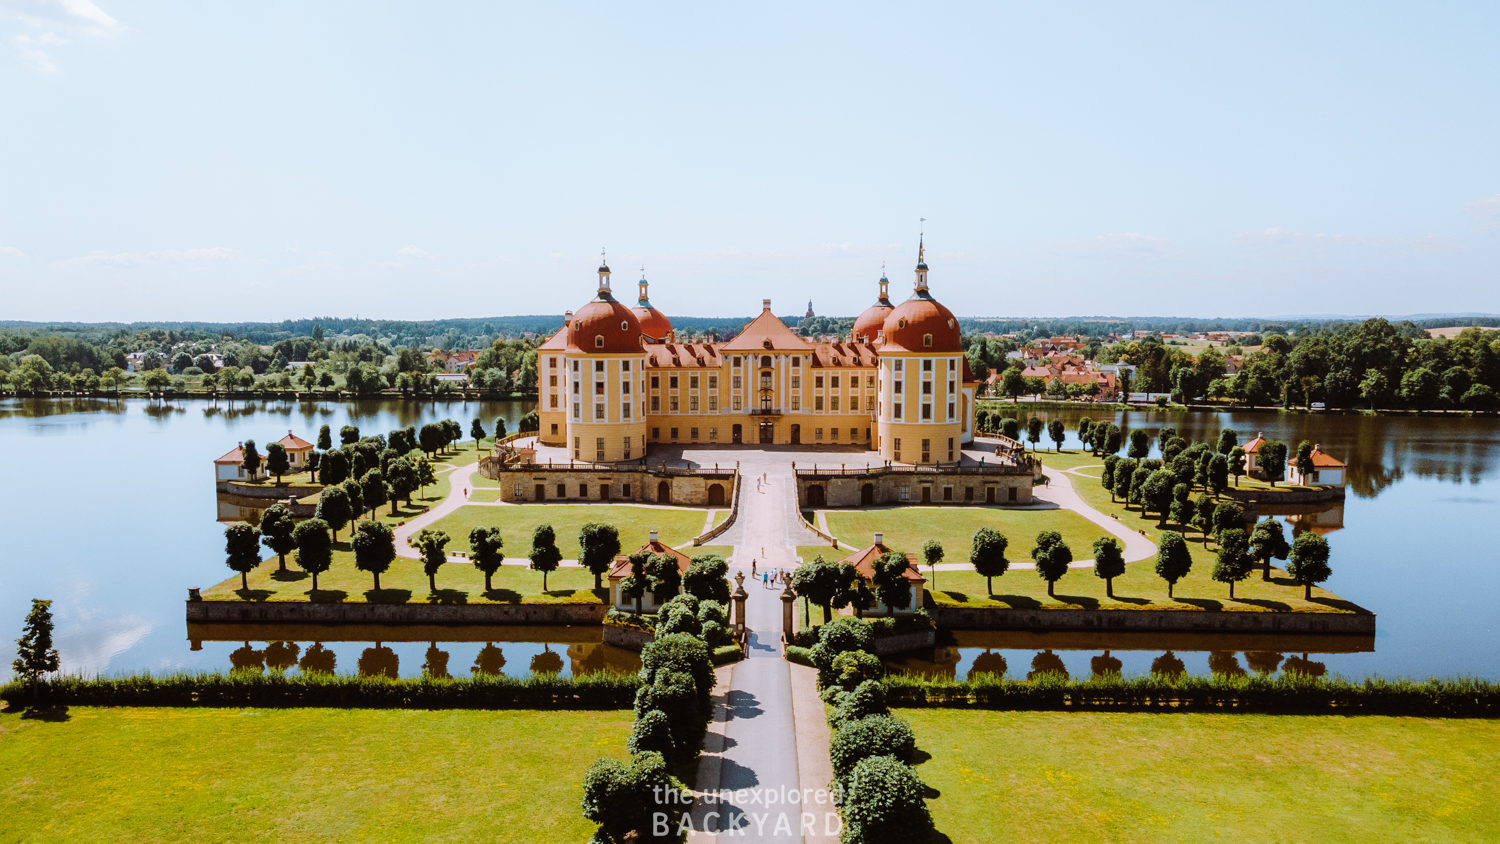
<point x="246" y="658"/>
<point x="546" y="662"/>
<point x="281" y="655"/>
<point x="1303" y="666"/>
<point x="436" y="663"/>
<point x="1105" y="665"/>
<point x="1262" y="662"/>
<point x="318" y="658"/>
<point x="489" y="661"/>
<point x="1047" y="662"/>
<point x="1224" y="662"/>
<point x="379" y="661"/>
<point x="1168" y="665"/>
<point x="989" y="663"/>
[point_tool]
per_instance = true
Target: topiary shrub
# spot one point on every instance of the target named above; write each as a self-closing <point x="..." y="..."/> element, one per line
<point x="727" y="654"/>
<point x="851" y="668"/>
<point x="839" y="636"/>
<point x="678" y="618"/>
<point x="652" y="733"/>
<point x="716" y="635"/>
<point x="621" y="797"/>
<point x="684" y="653"/>
<point x="884" y="804"/>
<point x="876" y="735"/>
<point x="800" y="656"/>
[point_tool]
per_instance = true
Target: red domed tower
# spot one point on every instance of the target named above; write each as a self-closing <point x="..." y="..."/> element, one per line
<point x="869" y="324"/>
<point x="924" y="405"/>
<point x="654" y="324"/>
<point x="605" y="373"/>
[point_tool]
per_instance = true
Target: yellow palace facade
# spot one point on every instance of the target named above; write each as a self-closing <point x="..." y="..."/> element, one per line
<point x="613" y="381"/>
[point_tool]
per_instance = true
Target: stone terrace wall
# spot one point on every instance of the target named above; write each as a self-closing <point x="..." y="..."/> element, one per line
<point x="586" y="482"/>
<point x="910" y="485"/>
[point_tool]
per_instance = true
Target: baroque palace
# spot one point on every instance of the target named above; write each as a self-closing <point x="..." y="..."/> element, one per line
<point x="614" y="379"/>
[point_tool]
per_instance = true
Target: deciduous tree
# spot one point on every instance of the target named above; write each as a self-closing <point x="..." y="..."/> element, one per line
<point x="987" y="555"/>
<point x="544" y="555"/>
<point x="314" y="547"/>
<point x="276" y="461"/>
<point x="375" y="491"/>
<point x="1173" y="559"/>
<point x="250" y="459"/>
<point x="374" y="549"/>
<point x="600" y="544"/>
<point x="484" y="550"/>
<point x="1057" y="433"/>
<point x="1273" y="460"/>
<point x="1267" y="541"/>
<point x="1052" y="557"/>
<point x="1109" y="561"/>
<point x="932" y="554"/>
<point x="276" y="526"/>
<point x="1234" y="562"/>
<point x="431" y="544"/>
<point x="333" y="508"/>
<point x="242" y="551"/>
<point x="1308" y="562"/>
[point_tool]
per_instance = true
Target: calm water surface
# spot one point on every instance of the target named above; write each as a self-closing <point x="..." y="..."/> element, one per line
<point x="108" y="509"/>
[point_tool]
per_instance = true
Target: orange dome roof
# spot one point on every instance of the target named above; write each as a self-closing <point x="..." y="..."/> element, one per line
<point x="907" y="327"/>
<point x="604" y="318"/>
<point x="868" y="326"/>
<point x="654" y="323"/>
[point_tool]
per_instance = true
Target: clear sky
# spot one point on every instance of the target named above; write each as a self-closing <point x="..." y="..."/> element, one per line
<point x="270" y="160"/>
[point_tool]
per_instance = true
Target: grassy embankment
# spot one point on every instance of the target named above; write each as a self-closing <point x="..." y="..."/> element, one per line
<point x="1123" y="777"/>
<point x="301" y="774"/>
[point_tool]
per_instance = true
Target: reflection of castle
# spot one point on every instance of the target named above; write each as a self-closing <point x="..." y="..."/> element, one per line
<point x="1322" y="521"/>
<point x="614" y="379"/>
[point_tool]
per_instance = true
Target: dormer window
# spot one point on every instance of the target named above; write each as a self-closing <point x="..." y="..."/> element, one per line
<point x="598" y="341"/>
<point x="927" y="339"/>
<point x="624" y="325"/>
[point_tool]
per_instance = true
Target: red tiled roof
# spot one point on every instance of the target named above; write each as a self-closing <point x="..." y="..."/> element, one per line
<point x="622" y="562"/>
<point x="1324" y="460"/>
<point x="1254" y="445"/>
<point x="236" y="456"/>
<point x="766" y="327"/>
<point x="864" y="562"/>
<point x="292" y="442"/>
<point x="557" y="342"/>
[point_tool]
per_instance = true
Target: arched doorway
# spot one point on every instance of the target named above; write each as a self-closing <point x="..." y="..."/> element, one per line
<point x="737" y="434"/>
<point x="796" y="434"/>
<point x="815" y="497"/>
<point x="867" y="494"/>
<point x="663" y="493"/>
<point x="715" y="495"/>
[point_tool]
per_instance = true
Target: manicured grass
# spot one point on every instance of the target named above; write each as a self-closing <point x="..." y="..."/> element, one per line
<point x="406" y="583"/>
<point x="517" y="523"/>
<point x="906" y="528"/>
<point x="483" y="494"/>
<point x="1108" y="777"/>
<point x="725" y="551"/>
<point x="1068" y="459"/>
<point x="301" y="775"/>
<point x="718" y="518"/>
<point x="808" y="553"/>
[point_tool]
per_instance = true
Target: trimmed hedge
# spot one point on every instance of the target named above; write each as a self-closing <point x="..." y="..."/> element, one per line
<point x="800" y="655"/>
<point x="539" y="691"/>
<point x="1285" y="694"/>
<point x="727" y="654"/>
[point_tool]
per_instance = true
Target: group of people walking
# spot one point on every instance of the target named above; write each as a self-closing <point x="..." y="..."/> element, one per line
<point x="771" y="578"/>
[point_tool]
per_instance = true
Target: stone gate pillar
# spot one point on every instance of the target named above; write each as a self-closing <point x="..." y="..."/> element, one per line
<point x="739" y="597"/>
<point x="788" y="601"/>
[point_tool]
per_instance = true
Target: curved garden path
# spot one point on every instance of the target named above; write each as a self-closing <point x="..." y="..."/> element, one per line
<point x="1060" y="491"/>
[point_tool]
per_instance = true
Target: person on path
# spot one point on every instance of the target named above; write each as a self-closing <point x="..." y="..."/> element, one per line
<point x="752" y="567"/>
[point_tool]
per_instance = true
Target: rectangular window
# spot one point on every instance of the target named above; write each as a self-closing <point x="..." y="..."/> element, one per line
<point x="562" y="490"/>
<point x="583" y="490"/>
<point x="575" y="410"/>
<point x="575" y="366"/>
<point x="896" y="410"/>
<point x="627" y="448"/>
<point x="898" y="366"/>
<point x="656" y="382"/>
<point x="834" y="434"/>
<point x="870" y="382"/>
<point x="674" y="433"/>
<point x="833" y="382"/>
<point x="713" y="404"/>
<point x="951" y="414"/>
<point x="625" y="386"/>
<point x="598" y="411"/>
<point x="655" y="435"/>
<point x="818" y="403"/>
<point x="926" y="411"/>
<point x="624" y="366"/>
<point x="796" y="402"/>
<point x="575" y="388"/>
<point x="519" y="493"/>
<point x="947" y="493"/>
<point x="553" y="380"/>
<point x="673" y="401"/>
<point x="598" y="388"/>
<point x="598" y="449"/>
<point x="672" y="382"/>
<point x="897" y="388"/>
<point x="713" y="382"/>
<point x="713" y="433"/>
<point x="598" y="366"/>
<point x="854" y="402"/>
<point x="818" y="382"/>
<point x="554" y="401"/>
<point x="833" y="403"/>
<point x="927" y="365"/>
<point x="968" y="493"/>
<point x="926" y="388"/>
<point x="656" y="404"/>
<point x="552" y="363"/>
<point x="905" y="493"/>
<point x="796" y="361"/>
<point x="692" y="382"/>
<point x="625" y="490"/>
<point x="736" y="402"/>
<point x="736" y="360"/>
<point x="734" y="380"/>
<point x="693" y="404"/>
<point x="820" y="433"/>
<point x="853" y="433"/>
<point x="626" y="408"/>
<point x="952" y="388"/>
<point x="796" y="382"/>
<point x="554" y="429"/>
<point x="693" y="434"/>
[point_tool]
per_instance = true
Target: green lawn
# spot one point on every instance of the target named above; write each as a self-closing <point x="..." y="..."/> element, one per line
<point x="405" y="582"/>
<point x="1108" y="777"/>
<point x="718" y="518"/>
<point x="301" y="775"/>
<point x="1068" y="459"/>
<point x="907" y="528"/>
<point x="725" y="551"/>
<point x="810" y="552"/>
<point x="516" y="523"/>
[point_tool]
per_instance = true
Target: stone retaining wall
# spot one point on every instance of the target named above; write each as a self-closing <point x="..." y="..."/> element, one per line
<point x="978" y="618"/>
<point x="693" y="488"/>
<point x="629" y="638"/>
<point x="1286" y="496"/>
<point x="346" y="613"/>
<point x="817" y="490"/>
<point x="886" y="645"/>
<point x="245" y="490"/>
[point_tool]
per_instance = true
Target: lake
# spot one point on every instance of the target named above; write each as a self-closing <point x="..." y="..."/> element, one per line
<point x="109" y="510"/>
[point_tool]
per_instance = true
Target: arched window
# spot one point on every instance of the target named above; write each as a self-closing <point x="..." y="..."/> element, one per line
<point x="927" y="339"/>
<point x="624" y="325"/>
<point x="765" y="361"/>
<point x="598" y="341"/>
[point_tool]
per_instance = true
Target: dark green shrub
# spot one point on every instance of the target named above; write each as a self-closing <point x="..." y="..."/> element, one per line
<point x="800" y="656"/>
<point x="652" y="733"/>
<point x="877" y="735"/>
<point x="707" y="578"/>
<point x="866" y="700"/>
<point x="851" y="668"/>
<point x="684" y="653"/>
<point x="884" y="804"/>
<point x="836" y="637"/>
<point x="727" y="654"/>
<point x="621" y="797"/>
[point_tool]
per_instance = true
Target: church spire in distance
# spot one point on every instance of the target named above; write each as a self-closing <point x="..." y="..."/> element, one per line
<point x="922" y="258"/>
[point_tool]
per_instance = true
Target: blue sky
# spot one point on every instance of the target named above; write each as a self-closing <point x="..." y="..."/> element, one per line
<point x="227" y="161"/>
